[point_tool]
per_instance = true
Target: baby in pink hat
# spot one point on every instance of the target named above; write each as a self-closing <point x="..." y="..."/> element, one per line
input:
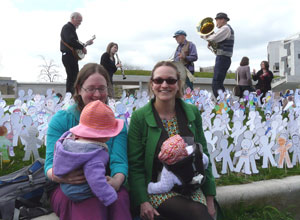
<point x="84" y="147"/>
<point x="173" y="150"/>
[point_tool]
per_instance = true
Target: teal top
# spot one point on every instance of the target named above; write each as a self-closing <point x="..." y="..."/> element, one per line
<point x="63" y="120"/>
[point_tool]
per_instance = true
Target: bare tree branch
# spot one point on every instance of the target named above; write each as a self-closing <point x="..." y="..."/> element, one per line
<point x="48" y="72"/>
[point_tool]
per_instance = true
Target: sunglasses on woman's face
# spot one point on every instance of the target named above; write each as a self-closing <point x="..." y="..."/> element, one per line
<point x="169" y="81"/>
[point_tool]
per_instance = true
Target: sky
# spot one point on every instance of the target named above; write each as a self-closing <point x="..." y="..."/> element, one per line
<point x="143" y="30"/>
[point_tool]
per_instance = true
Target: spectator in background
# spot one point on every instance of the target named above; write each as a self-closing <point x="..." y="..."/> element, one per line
<point x="243" y="76"/>
<point x="264" y="77"/>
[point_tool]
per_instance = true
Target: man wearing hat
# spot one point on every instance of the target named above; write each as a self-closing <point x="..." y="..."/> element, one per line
<point x="224" y="38"/>
<point x="186" y="53"/>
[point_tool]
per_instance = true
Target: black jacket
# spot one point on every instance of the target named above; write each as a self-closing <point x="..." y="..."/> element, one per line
<point x="69" y="36"/>
<point x="108" y="64"/>
<point x="264" y="83"/>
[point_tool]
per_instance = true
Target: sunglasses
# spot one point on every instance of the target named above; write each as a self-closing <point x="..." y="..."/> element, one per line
<point x="169" y="81"/>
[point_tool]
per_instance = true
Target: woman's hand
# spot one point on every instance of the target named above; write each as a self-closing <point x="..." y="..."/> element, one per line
<point x="116" y="181"/>
<point x="210" y="206"/>
<point x="74" y="177"/>
<point x="147" y="211"/>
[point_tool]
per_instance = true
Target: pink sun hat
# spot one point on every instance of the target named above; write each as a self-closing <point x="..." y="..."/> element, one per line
<point x="97" y="120"/>
<point x="173" y="150"/>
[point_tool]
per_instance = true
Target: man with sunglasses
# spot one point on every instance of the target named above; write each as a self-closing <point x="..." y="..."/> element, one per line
<point x="186" y="53"/>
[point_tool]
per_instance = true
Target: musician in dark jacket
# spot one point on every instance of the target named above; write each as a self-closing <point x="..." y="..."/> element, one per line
<point x="108" y="60"/>
<point x="68" y="44"/>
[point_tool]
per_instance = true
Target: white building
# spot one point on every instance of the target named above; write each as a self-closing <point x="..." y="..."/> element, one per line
<point x="284" y="57"/>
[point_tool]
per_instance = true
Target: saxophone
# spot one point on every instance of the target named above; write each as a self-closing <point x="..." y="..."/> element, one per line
<point x="121" y="68"/>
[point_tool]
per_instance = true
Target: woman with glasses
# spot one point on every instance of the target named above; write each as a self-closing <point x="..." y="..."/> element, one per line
<point x="164" y="116"/>
<point x="92" y="84"/>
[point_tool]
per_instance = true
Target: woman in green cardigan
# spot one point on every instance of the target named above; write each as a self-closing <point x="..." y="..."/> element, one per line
<point x="164" y="116"/>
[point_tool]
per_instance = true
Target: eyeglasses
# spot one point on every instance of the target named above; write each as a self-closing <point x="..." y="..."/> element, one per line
<point x="101" y="90"/>
<point x="169" y="81"/>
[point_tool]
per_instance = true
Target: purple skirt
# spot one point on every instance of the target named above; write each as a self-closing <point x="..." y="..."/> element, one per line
<point x="91" y="208"/>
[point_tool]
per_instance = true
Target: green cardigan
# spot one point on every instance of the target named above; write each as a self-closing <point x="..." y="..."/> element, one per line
<point x="143" y="137"/>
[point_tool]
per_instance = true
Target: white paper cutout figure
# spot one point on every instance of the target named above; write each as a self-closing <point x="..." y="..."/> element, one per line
<point x="266" y="151"/>
<point x="29" y="95"/>
<point x="21" y="94"/>
<point x="68" y="101"/>
<point x="295" y="149"/>
<point x="218" y="126"/>
<point x="244" y="156"/>
<point x="214" y="151"/>
<point x="42" y="120"/>
<point x="3" y="117"/>
<point x="237" y="130"/>
<point x="249" y="135"/>
<point x="27" y="122"/>
<point x="121" y="110"/>
<point x="251" y="120"/>
<point x="17" y="125"/>
<point x="225" y="155"/>
<point x="282" y="150"/>
<point x="207" y="115"/>
<point x="31" y="142"/>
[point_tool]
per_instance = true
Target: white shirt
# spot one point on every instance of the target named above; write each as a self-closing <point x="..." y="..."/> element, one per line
<point x="222" y="34"/>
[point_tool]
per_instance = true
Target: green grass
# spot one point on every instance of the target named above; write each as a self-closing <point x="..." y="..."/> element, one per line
<point x="9" y="101"/>
<point x="257" y="212"/>
<point x="17" y="162"/>
<point x="197" y="74"/>
<point x="233" y="178"/>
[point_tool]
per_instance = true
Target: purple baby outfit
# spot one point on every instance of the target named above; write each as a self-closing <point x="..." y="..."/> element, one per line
<point x="70" y="155"/>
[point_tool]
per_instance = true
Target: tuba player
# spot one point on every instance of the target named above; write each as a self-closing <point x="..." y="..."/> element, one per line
<point x="224" y="38"/>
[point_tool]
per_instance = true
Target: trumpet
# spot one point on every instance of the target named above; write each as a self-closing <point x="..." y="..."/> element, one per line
<point x="205" y="28"/>
<point x="121" y="68"/>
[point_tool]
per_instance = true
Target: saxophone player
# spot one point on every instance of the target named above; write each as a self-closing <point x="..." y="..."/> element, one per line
<point x="224" y="38"/>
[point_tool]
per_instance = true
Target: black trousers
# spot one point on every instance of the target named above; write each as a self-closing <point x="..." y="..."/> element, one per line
<point x="72" y="69"/>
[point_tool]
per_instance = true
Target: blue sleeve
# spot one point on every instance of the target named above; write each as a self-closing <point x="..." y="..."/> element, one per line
<point x="59" y="124"/>
<point x="118" y="153"/>
<point x="193" y="56"/>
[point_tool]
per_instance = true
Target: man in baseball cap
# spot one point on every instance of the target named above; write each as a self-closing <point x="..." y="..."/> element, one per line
<point x="186" y="53"/>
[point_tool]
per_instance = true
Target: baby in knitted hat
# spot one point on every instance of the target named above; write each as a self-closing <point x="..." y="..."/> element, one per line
<point x="173" y="150"/>
<point x="84" y="147"/>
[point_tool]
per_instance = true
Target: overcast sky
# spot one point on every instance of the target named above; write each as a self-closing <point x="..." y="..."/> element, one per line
<point x="143" y="30"/>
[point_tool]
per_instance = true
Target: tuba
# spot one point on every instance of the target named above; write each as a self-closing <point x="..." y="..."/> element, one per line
<point x="205" y="28"/>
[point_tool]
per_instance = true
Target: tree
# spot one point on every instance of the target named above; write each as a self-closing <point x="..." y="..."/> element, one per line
<point x="48" y="72"/>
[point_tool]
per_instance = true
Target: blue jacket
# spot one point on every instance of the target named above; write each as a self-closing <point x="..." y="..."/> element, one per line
<point x="63" y="120"/>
